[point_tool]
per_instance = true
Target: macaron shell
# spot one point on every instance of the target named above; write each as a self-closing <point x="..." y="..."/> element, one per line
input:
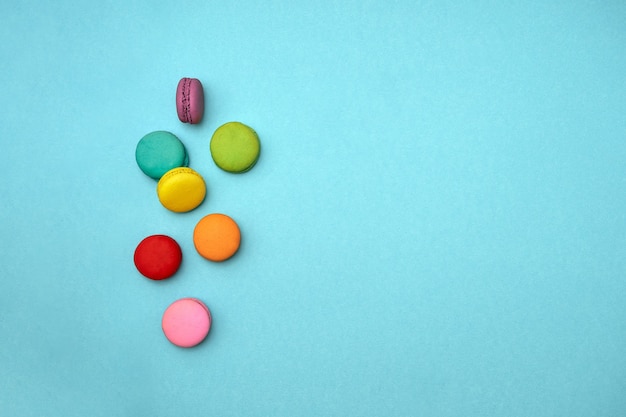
<point x="216" y="237"/>
<point x="181" y="190"/>
<point x="158" y="152"/>
<point x="186" y="322"/>
<point x="158" y="257"/>
<point x="235" y="147"/>
<point x="190" y="100"/>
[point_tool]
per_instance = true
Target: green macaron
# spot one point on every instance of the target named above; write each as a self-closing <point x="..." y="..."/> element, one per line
<point x="235" y="147"/>
<point x="158" y="152"/>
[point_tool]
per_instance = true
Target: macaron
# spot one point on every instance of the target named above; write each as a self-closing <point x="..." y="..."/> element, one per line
<point x="216" y="237"/>
<point x="181" y="189"/>
<point x="235" y="147"/>
<point x="158" y="152"/>
<point x="186" y="322"/>
<point x="158" y="257"/>
<point x="190" y="100"/>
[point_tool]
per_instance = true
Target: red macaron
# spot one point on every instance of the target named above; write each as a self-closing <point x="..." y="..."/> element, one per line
<point x="158" y="257"/>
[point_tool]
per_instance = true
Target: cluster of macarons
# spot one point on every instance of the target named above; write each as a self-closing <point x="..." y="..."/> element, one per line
<point x="162" y="156"/>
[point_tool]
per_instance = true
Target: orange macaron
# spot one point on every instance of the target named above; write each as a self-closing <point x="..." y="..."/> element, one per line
<point x="216" y="237"/>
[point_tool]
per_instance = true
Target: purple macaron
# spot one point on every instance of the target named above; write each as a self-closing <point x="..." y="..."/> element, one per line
<point x="190" y="100"/>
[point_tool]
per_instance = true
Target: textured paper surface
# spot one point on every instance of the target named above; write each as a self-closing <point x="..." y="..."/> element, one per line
<point x="436" y="225"/>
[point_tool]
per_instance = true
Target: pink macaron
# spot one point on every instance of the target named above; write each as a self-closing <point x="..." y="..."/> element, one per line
<point x="186" y="322"/>
<point x="190" y="100"/>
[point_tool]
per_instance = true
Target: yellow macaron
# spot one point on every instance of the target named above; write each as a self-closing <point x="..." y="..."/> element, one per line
<point x="181" y="189"/>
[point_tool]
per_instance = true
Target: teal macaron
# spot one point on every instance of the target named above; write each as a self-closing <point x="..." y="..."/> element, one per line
<point x="160" y="151"/>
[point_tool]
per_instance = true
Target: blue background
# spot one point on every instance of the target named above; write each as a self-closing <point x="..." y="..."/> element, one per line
<point x="436" y="225"/>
